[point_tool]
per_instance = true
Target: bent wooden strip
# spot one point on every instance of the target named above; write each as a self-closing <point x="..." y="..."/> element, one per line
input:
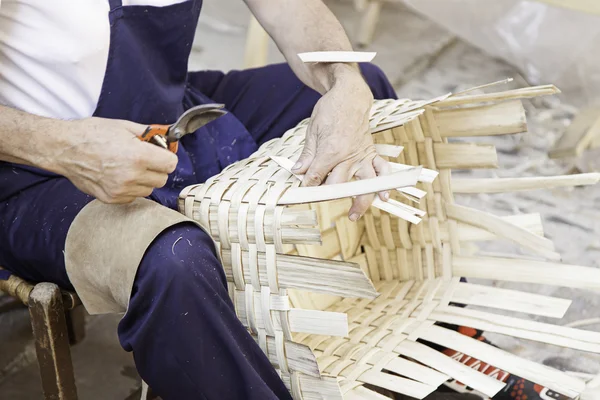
<point x="355" y="188"/>
<point x="391" y="206"/>
<point x="530" y="222"/>
<point x="503" y="229"/>
<point x="502" y="185"/>
<point x="527" y="271"/>
<point x="551" y="378"/>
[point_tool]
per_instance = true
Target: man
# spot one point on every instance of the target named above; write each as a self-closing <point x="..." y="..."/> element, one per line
<point x="79" y="80"/>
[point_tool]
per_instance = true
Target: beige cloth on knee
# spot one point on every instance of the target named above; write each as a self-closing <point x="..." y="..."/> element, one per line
<point x="105" y="245"/>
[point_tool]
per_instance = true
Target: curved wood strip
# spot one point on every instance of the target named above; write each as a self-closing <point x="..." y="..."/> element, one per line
<point x="503" y="185"/>
<point x="503" y="229"/>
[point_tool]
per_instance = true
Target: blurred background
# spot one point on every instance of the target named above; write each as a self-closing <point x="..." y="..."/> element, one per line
<point x="427" y="48"/>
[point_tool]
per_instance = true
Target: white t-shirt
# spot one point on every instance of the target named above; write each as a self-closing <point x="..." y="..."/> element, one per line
<point x="53" y="54"/>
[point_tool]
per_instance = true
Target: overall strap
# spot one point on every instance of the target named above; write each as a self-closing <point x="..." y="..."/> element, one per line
<point x="115" y="4"/>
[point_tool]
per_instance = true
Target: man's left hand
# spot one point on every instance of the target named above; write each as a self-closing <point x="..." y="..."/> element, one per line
<point x="338" y="143"/>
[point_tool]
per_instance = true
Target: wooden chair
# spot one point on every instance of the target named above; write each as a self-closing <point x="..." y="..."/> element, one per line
<point x="58" y="321"/>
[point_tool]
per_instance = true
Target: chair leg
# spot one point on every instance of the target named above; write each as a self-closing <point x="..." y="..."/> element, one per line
<point x="52" y="342"/>
<point x="369" y="22"/>
<point x="76" y="324"/>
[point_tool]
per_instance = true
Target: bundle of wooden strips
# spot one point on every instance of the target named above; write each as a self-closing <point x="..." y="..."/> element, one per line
<point x="339" y="307"/>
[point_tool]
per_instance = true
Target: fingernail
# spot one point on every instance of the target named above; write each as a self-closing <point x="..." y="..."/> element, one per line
<point x="297" y="165"/>
<point x="354" y="217"/>
<point x="386" y="196"/>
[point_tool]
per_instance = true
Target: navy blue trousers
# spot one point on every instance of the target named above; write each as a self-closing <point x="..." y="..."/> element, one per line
<point x="181" y="325"/>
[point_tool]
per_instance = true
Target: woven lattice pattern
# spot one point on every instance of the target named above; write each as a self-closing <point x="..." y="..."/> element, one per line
<point x="336" y="305"/>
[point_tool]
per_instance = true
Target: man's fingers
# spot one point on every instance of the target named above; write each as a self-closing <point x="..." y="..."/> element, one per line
<point x="157" y="159"/>
<point x="339" y="174"/>
<point x="361" y="204"/>
<point x="382" y="167"/>
<point x="307" y="157"/>
<point x="153" y="179"/>
<point x="318" y="171"/>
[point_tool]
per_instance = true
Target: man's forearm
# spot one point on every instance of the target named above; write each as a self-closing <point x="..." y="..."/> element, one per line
<point x="302" y="26"/>
<point x="28" y="139"/>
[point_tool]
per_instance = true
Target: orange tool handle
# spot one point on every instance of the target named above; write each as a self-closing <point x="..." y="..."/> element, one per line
<point x="157" y="134"/>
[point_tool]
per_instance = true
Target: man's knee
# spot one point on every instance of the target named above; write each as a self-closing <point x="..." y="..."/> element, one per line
<point x="183" y="256"/>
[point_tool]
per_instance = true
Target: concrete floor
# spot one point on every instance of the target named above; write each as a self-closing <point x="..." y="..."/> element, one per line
<point x="422" y="61"/>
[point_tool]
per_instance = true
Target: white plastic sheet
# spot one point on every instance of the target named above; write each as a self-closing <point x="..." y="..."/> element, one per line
<point x="548" y="44"/>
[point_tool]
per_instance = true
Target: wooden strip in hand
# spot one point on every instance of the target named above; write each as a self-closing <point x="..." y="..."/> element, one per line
<point x="315" y="194"/>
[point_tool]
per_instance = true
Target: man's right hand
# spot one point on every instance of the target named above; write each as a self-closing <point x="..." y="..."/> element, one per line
<point x="104" y="158"/>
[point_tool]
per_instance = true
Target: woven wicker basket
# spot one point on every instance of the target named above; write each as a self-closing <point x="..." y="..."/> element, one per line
<point x="339" y="307"/>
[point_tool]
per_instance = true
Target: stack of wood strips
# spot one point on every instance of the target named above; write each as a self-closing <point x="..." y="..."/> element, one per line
<point x="341" y="308"/>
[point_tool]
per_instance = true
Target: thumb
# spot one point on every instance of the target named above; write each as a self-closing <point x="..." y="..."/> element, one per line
<point x="307" y="157"/>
